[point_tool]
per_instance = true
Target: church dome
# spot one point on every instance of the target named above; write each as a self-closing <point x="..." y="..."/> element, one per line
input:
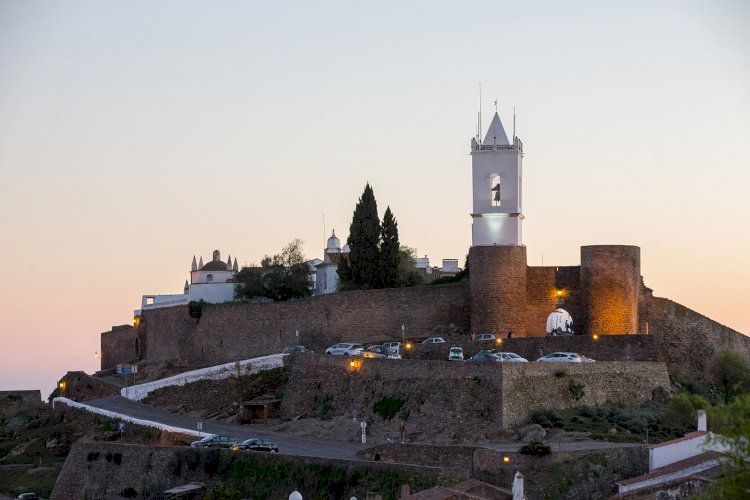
<point x="215" y="265"/>
<point x="334" y="244"/>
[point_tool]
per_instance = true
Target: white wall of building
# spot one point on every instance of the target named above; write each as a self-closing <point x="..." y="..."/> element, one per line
<point x="211" y="276"/>
<point x="212" y="292"/>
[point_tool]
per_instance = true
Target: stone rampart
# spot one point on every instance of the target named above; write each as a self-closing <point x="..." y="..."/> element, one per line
<point x="689" y="341"/>
<point x="498" y="289"/>
<point x="527" y="387"/>
<point x="117" y="346"/>
<point x="548" y="288"/>
<point x="610" y="285"/>
<point x="227" y="332"/>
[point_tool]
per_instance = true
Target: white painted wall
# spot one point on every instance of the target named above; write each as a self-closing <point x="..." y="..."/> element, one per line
<point x="496" y="229"/>
<point x="688" y="471"/>
<point x="663" y="455"/>
<point x="163" y="300"/>
<point x="218" y="372"/>
<point x="218" y="276"/>
<point x="215" y="293"/>
<point x="327" y="280"/>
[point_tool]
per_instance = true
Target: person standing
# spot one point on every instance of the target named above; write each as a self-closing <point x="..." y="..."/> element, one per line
<point x="403" y="431"/>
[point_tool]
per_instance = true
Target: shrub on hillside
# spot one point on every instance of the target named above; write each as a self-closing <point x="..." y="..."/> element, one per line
<point x="548" y="418"/>
<point x="682" y="411"/>
<point x="535" y="448"/>
<point x="388" y="407"/>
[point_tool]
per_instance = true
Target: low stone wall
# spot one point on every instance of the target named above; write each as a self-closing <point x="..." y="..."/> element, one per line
<point x="13" y="402"/>
<point x="527" y="387"/>
<point x="453" y="457"/>
<point x="107" y="470"/>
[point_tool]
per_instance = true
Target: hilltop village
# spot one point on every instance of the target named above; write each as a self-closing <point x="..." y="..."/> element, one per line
<point x="420" y="425"/>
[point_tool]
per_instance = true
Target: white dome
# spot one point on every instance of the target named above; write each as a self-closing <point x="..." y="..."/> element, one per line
<point x="334" y="244"/>
<point x="346" y="249"/>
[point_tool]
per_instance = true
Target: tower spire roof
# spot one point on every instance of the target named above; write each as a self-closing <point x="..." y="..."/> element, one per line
<point x="496" y="132"/>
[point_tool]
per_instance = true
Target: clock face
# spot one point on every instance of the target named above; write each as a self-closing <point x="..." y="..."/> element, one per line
<point x="210" y="277"/>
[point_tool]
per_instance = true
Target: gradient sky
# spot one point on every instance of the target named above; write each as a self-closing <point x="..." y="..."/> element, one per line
<point x="134" y="135"/>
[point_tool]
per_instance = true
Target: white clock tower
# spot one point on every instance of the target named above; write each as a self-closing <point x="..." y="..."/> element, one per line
<point x="496" y="180"/>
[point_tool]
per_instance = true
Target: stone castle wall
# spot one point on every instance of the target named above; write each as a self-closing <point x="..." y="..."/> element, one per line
<point x="689" y="341"/>
<point x="610" y="286"/>
<point x="227" y="332"/>
<point x="13" y="402"/>
<point x="528" y="387"/>
<point x="542" y="286"/>
<point x="117" y="346"/>
<point x="476" y="395"/>
<point x="498" y="289"/>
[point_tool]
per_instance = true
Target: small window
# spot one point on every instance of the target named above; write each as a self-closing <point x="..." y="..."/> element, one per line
<point x="209" y="277"/>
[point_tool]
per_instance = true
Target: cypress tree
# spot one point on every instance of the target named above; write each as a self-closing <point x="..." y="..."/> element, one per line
<point x="389" y="251"/>
<point x="364" y="236"/>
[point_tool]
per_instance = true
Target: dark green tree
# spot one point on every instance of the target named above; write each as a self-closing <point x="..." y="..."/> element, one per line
<point x="408" y="274"/>
<point x="731" y="372"/>
<point x="390" y="254"/>
<point x="280" y="277"/>
<point x="732" y="426"/>
<point x="363" y="267"/>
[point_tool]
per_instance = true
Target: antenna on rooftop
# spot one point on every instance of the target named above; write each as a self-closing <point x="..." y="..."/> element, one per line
<point x="479" y="117"/>
<point x="514" y="123"/>
<point x="495" y="105"/>
<point x="324" y="231"/>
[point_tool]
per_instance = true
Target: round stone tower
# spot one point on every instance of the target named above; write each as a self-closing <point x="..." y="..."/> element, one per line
<point x="610" y="285"/>
<point x="498" y="289"/>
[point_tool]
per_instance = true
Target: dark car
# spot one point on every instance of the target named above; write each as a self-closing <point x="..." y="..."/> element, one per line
<point x="485" y="356"/>
<point x="214" y="442"/>
<point x="295" y="348"/>
<point x="256" y="445"/>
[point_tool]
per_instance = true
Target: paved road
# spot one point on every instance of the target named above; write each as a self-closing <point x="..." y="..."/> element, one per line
<point x="293" y="445"/>
<point x="303" y="446"/>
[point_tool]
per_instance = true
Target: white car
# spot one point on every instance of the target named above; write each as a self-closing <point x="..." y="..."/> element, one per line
<point x="434" y="340"/>
<point x="346" y="349"/>
<point x="393" y="346"/>
<point x="484" y="337"/>
<point x="511" y="357"/>
<point x="456" y="354"/>
<point x="567" y="357"/>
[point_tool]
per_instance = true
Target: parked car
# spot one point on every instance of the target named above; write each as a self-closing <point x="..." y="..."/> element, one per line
<point x="295" y="348"/>
<point x="28" y="496"/>
<point x="393" y="346"/>
<point x="345" y="349"/>
<point x="256" y="445"/>
<point x="484" y="337"/>
<point x="380" y="351"/>
<point x="485" y="356"/>
<point x="512" y="357"/>
<point x="456" y="354"/>
<point x="434" y="340"/>
<point x="568" y="357"/>
<point x="214" y="442"/>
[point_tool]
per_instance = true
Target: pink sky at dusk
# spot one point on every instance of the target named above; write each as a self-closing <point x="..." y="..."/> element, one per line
<point x="135" y="135"/>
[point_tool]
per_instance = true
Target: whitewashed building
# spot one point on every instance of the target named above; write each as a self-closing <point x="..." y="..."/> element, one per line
<point x="326" y="273"/>
<point x="212" y="282"/>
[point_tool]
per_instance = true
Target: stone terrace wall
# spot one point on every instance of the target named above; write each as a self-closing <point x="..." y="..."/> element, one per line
<point x="542" y="284"/>
<point x="227" y="332"/>
<point x="104" y="470"/>
<point x="12" y="402"/>
<point x="117" y="346"/>
<point x="441" y="396"/>
<point x="534" y="386"/>
<point x="689" y="341"/>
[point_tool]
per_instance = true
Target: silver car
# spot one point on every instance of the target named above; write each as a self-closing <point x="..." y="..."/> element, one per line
<point x="346" y="349"/>
<point x="434" y="340"/>
<point x="511" y="357"/>
<point x="565" y="357"/>
<point x="380" y="351"/>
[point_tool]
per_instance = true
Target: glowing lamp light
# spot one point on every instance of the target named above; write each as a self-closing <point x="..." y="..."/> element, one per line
<point x="409" y="345"/>
<point x="506" y="459"/>
<point x="596" y="337"/>
<point x="559" y="293"/>
<point x="355" y="365"/>
<point x="136" y="321"/>
<point x="62" y="385"/>
<point x="498" y="341"/>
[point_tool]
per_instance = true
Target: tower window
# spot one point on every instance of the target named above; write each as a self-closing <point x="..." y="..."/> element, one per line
<point x="495" y="190"/>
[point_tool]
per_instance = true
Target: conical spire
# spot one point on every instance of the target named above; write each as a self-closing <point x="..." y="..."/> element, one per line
<point x="234" y="267"/>
<point x="229" y="263"/>
<point x="194" y="266"/>
<point x="200" y="263"/>
<point x="496" y="133"/>
<point x="187" y="287"/>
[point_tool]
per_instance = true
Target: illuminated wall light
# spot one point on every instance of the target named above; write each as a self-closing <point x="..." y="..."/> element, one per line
<point x="596" y="337"/>
<point x="498" y="341"/>
<point x="409" y="345"/>
<point x="506" y="459"/>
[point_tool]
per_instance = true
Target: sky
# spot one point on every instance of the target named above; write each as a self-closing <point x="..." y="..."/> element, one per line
<point x="135" y="135"/>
